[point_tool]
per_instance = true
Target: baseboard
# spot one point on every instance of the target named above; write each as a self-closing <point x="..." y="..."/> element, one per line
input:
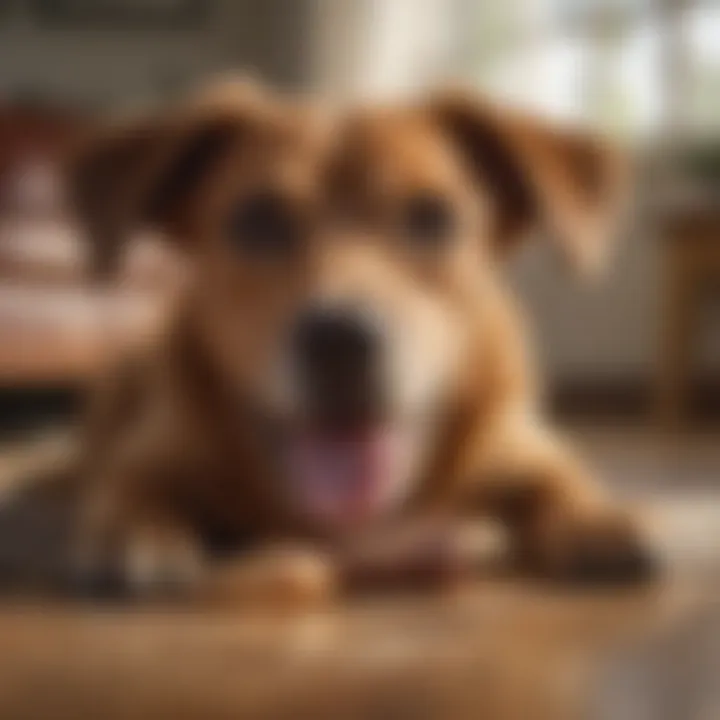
<point x="629" y="398"/>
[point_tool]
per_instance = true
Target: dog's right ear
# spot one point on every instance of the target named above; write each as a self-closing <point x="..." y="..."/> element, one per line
<point x="571" y="185"/>
<point x="144" y="171"/>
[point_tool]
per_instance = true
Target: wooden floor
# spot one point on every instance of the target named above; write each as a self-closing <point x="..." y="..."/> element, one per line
<point x="498" y="649"/>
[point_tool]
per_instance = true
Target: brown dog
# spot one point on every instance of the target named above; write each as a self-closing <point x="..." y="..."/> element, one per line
<point x="345" y="348"/>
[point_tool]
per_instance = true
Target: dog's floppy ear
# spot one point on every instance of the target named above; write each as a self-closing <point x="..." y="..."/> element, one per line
<point x="562" y="182"/>
<point x="143" y="170"/>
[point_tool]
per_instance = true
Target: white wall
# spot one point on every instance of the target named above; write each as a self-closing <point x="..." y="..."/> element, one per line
<point x="377" y="48"/>
<point x="608" y="327"/>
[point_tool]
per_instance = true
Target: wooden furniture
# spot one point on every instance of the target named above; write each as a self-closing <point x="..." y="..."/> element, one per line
<point x="691" y="275"/>
<point x="56" y="325"/>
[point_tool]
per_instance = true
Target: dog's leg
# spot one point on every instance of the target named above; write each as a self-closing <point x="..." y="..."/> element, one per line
<point x="561" y="523"/>
<point x="162" y="559"/>
<point x="125" y="545"/>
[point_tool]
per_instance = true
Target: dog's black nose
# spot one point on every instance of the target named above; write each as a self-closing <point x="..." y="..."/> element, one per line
<point x="335" y="341"/>
<point x="338" y="356"/>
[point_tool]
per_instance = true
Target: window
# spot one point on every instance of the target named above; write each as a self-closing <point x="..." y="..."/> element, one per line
<point x="636" y="67"/>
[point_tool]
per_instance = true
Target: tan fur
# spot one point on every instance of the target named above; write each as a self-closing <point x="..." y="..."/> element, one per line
<point x="173" y="444"/>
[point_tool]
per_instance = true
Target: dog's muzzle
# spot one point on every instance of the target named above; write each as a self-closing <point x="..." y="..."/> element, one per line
<point x="345" y="454"/>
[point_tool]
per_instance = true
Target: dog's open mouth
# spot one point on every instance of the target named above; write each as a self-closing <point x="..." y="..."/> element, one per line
<point x="341" y="478"/>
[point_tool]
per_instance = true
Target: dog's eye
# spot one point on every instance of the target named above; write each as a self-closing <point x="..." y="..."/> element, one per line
<point x="428" y="219"/>
<point x="264" y="224"/>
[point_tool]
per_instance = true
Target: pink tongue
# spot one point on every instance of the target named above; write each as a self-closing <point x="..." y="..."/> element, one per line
<point x="340" y="478"/>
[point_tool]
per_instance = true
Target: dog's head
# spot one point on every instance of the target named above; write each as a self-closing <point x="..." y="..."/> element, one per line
<point x="341" y="264"/>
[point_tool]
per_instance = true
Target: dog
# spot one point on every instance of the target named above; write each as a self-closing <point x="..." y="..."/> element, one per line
<point x="345" y="351"/>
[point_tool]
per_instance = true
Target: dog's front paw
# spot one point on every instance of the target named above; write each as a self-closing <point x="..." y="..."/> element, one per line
<point x="144" y="560"/>
<point x="592" y="548"/>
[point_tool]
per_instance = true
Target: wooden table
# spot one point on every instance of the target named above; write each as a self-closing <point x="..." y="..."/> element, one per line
<point x="502" y="652"/>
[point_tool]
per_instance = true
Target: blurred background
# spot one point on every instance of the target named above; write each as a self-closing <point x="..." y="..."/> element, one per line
<point x="643" y="344"/>
<point x="632" y="361"/>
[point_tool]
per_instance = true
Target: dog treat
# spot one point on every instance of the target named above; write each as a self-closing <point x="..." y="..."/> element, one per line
<point x="411" y="556"/>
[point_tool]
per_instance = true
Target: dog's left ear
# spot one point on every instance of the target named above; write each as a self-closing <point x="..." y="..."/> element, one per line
<point x="567" y="184"/>
<point x="146" y="169"/>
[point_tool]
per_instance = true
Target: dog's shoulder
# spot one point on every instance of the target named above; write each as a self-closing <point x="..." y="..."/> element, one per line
<point x="505" y="371"/>
<point x="151" y="388"/>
